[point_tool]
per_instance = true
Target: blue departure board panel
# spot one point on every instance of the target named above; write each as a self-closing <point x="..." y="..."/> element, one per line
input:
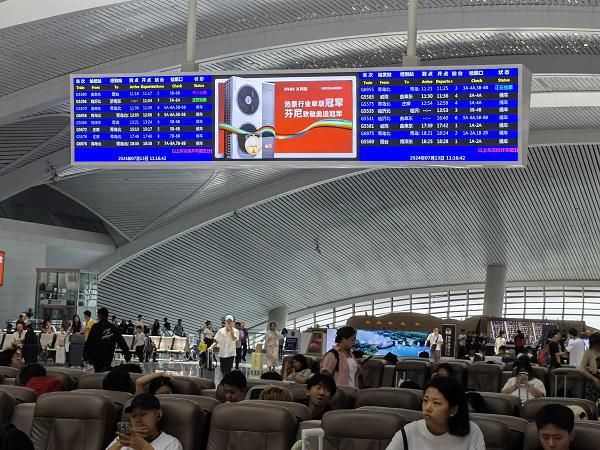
<point x="445" y="115"/>
<point x="142" y="119"/>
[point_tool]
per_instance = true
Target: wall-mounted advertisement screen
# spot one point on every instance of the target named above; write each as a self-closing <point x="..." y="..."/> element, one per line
<point x="430" y="116"/>
<point x="382" y="342"/>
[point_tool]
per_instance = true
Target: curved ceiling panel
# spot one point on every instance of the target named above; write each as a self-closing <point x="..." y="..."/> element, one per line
<point x="378" y="231"/>
<point x="22" y="141"/>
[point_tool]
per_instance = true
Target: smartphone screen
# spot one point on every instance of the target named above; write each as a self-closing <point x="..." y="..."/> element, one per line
<point x="123" y="427"/>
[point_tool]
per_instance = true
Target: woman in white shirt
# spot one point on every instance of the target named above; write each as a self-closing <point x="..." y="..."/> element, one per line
<point x="272" y="339"/>
<point x="445" y="424"/>
<point x="524" y="388"/>
<point x="500" y="341"/>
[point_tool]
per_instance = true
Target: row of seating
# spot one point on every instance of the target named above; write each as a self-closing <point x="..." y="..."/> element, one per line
<point x="203" y="423"/>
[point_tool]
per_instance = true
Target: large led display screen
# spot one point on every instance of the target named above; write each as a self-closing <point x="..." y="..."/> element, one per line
<point x="382" y="342"/>
<point x="450" y="116"/>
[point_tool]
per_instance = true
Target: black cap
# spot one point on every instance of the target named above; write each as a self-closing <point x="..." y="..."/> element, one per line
<point x="143" y="401"/>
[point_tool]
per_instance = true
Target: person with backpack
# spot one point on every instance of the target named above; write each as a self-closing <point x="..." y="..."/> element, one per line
<point x="554" y="350"/>
<point x="519" y="341"/>
<point x="339" y="362"/>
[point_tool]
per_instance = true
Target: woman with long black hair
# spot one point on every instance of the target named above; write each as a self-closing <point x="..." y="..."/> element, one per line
<point x="445" y="422"/>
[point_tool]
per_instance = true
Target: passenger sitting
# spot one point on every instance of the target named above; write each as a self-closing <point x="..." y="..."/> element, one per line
<point x="299" y="371"/>
<point x="118" y="379"/>
<point x="234" y="386"/>
<point x="476" y="402"/>
<point x="474" y="356"/>
<point x="33" y="376"/>
<point x="445" y="422"/>
<point x="276" y="393"/>
<point x="555" y="425"/>
<point x="271" y="375"/>
<point x="523" y="383"/>
<point x="320" y="388"/>
<point x="145" y="415"/>
<point x="11" y="358"/>
<point x="157" y="383"/>
<point x="501" y="351"/>
<point x="443" y="370"/>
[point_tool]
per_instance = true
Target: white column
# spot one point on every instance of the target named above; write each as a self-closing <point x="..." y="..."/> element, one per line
<point x="495" y="284"/>
<point x="190" y="52"/>
<point x="279" y="316"/>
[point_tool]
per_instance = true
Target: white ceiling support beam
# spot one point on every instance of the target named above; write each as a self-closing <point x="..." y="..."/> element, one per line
<point x="209" y="214"/>
<point x="438" y="20"/>
<point x="579" y="99"/>
<point x="564" y="136"/>
<point x="33" y="174"/>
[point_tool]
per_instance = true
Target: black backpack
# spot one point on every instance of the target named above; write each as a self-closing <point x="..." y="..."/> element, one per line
<point x="337" y="359"/>
<point x="12" y="438"/>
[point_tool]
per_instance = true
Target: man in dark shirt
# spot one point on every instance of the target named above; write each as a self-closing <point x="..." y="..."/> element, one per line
<point x="555" y="350"/>
<point x="320" y="388"/>
<point x="166" y="325"/>
<point x="99" y="347"/>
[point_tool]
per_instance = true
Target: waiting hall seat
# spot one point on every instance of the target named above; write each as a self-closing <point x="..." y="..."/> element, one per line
<point x="118" y="397"/>
<point x="67" y="420"/>
<point x="542" y="374"/>
<point x="390" y="397"/>
<point x="505" y="404"/>
<point x="91" y="381"/>
<point x="417" y="371"/>
<point x="484" y="377"/>
<point x="531" y="407"/>
<point x="183" y="418"/>
<point x="409" y="415"/>
<point x="496" y="433"/>
<point x="20" y="393"/>
<point x="166" y="344"/>
<point x="360" y="429"/>
<point x="203" y="383"/>
<point x="7" y="406"/>
<point x="587" y="437"/>
<point x="73" y="373"/>
<point x="8" y="372"/>
<point x="22" y="417"/>
<point x="371" y="374"/>
<point x="516" y="425"/>
<point x="185" y="385"/>
<point x="206" y="403"/>
<point x="459" y="369"/>
<point x="298" y="410"/>
<point x="243" y="426"/>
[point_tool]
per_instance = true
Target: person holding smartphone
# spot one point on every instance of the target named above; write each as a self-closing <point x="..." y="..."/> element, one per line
<point x="524" y="384"/>
<point x="143" y="432"/>
<point x="226" y="339"/>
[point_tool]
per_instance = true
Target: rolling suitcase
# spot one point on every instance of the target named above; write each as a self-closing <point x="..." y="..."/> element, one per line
<point x="76" y="350"/>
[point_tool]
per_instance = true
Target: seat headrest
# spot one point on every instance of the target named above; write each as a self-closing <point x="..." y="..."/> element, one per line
<point x="205" y="403"/>
<point x="362" y="424"/>
<point x="249" y="416"/>
<point x="114" y="396"/>
<point x="20" y="393"/>
<point x="297" y="409"/>
<point x="531" y="407"/>
<point x="390" y="397"/>
<point x="7" y="405"/>
<point x="91" y="381"/>
<point x="82" y="406"/>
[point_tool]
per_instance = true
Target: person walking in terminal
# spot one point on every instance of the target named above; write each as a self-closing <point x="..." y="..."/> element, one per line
<point x="89" y="323"/>
<point x="500" y="342"/>
<point x="99" y="347"/>
<point x="226" y="339"/>
<point x="589" y="368"/>
<point x="339" y="362"/>
<point x="445" y="422"/>
<point x="576" y="348"/>
<point x="272" y="339"/>
<point x="435" y="341"/>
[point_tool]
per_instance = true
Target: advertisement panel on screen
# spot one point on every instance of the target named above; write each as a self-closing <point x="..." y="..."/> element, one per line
<point x="382" y="342"/>
<point x="428" y="116"/>
<point x="303" y="117"/>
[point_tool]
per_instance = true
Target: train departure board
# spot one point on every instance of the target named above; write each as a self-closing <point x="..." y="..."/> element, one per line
<point x="142" y="118"/>
<point x="402" y="117"/>
<point x="440" y="115"/>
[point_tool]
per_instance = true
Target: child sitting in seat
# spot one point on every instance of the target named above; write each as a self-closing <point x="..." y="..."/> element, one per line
<point x="144" y="432"/>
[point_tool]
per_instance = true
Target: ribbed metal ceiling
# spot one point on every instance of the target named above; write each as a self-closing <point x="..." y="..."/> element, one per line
<point x="379" y="231"/>
<point x="73" y="42"/>
<point x="21" y="141"/>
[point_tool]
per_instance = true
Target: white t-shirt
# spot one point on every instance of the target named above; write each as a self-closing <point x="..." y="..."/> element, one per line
<point x="500" y="341"/>
<point x="352" y="369"/>
<point x="418" y="437"/>
<point x="140" y="339"/>
<point x="576" y="350"/>
<point x="164" y="441"/>
<point x="437" y="340"/>
<point x="523" y="393"/>
<point x="225" y="343"/>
